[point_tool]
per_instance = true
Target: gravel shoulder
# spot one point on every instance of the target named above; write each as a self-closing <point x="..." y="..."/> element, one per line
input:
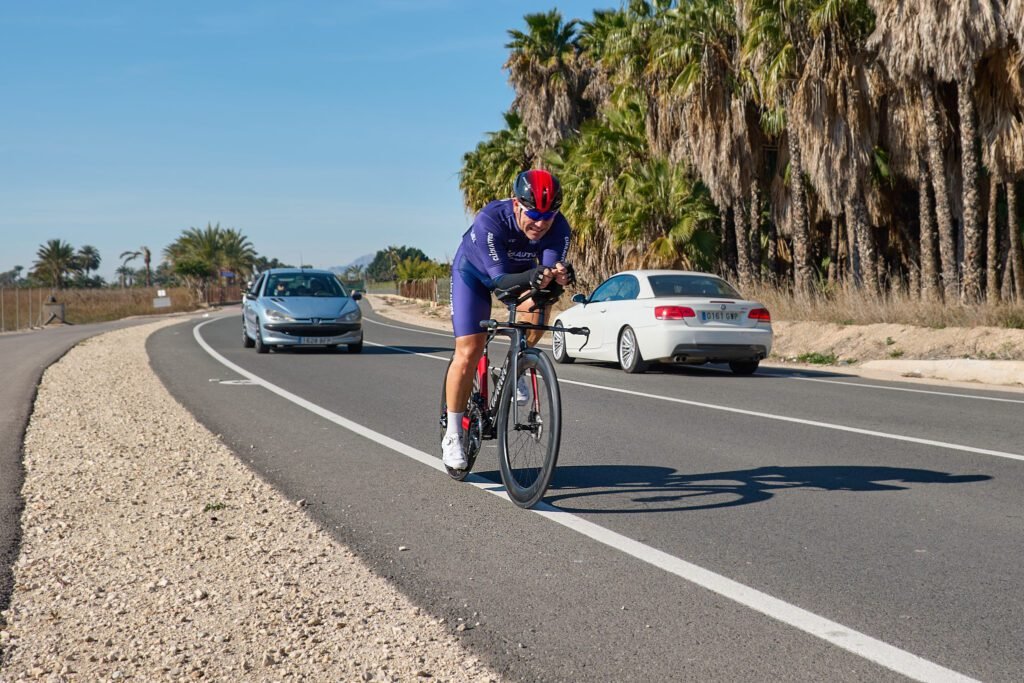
<point x="151" y="552"/>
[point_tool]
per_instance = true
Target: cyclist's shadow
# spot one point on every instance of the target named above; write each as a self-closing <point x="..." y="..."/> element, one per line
<point x="662" y="489"/>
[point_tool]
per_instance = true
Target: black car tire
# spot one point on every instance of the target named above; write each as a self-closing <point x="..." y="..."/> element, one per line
<point x="247" y="341"/>
<point x="743" y="367"/>
<point x="356" y="348"/>
<point x="630" y="358"/>
<point x="558" y="350"/>
<point x="260" y="346"/>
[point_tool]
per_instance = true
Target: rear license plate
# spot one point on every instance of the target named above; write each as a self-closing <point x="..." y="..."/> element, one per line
<point x="708" y="316"/>
<point x="318" y="340"/>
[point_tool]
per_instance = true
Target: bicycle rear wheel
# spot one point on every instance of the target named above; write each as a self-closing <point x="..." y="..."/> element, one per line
<point x="472" y="432"/>
<point x="529" y="435"/>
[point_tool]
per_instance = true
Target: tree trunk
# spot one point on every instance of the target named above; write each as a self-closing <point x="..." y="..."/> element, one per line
<point x="755" y="232"/>
<point x="773" y="252"/>
<point x="992" y="243"/>
<point x="833" y="252"/>
<point x="857" y="214"/>
<point x="726" y="256"/>
<point x="929" y="274"/>
<point x="947" y="249"/>
<point x="969" y="165"/>
<point x="1016" y="258"/>
<point x="798" y="215"/>
<point x="853" y="264"/>
<point x="742" y="247"/>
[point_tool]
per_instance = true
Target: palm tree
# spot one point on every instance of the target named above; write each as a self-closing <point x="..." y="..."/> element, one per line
<point x="125" y="275"/>
<point x="835" y="122"/>
<point x="55" y="260"/>
<point x="88" y="259"/>
<point x="929" y="42"/>
<point x="548" y="87"/>
<point x="144" y="252"/>
<point x="776" y="46"/>
<point x="724" y="142"/>
<point x="237" y="254"/>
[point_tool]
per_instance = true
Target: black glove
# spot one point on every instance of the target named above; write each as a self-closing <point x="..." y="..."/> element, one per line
<point x="537" y="277"/>
<point x="570" y="273"/>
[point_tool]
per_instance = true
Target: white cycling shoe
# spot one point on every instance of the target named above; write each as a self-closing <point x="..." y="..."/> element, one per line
<point x="522" y="392"/>
<point x="451" y="452"/>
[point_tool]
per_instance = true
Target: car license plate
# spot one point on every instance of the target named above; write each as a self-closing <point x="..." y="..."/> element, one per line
<point x="318" y="340"/>
<point x="707" y="316"/>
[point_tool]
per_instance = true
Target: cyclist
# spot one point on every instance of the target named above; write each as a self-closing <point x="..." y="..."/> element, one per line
<point x="512" y="244"/>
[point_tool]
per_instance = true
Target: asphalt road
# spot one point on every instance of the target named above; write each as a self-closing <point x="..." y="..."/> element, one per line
<point x="700" y="526"/>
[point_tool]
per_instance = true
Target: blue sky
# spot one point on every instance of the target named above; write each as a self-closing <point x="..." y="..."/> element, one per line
<point x="326" y="129"/>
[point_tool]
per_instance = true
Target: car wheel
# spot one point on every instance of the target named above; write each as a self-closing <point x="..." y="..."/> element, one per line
<point x="629" y="352"/>
<point x="247" y="341"/>
<point x="558" y="349"/>
<point x="356" y="348"/>
<point x="260" y="346"/>
<point x="743" y="367"/>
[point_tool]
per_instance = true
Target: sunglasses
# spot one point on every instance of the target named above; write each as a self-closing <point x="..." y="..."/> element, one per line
<point x="535" y="215"/>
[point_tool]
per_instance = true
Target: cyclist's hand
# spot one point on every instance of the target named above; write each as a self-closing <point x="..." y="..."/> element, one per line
<point x="564" y="273"/>
<point x="541" y="277"/>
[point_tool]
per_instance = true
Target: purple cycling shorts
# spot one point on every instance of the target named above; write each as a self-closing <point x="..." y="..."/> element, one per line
<point x="471" y="298"/>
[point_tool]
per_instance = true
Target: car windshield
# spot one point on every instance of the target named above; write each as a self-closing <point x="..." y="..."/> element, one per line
<point x="304" y="284"/>
<point x="692" y="285"/>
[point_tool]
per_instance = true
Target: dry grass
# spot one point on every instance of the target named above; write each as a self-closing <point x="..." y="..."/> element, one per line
<point x="25" y="308"/>
<point x="849" y="306"/>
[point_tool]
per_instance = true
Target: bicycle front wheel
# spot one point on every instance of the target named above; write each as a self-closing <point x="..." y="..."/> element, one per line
<point x="529" y="429"/>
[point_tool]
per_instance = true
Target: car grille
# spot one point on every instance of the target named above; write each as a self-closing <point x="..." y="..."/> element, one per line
<point x="311" y="330"/>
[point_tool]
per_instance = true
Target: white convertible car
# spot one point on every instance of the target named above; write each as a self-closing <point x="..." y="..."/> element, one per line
<point x="642" y="316"/>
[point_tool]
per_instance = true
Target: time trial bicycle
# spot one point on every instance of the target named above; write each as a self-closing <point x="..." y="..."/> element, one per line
<point x="528" y="428"/>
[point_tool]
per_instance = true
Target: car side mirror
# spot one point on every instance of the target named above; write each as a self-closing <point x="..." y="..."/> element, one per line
<point x="356" y="296"/>
<point x="579" y="298"/>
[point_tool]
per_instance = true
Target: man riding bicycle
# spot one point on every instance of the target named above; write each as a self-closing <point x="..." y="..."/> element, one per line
<point x="513" y="244"/>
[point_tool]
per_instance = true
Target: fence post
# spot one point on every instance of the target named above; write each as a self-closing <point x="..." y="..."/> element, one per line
<point x="30" y="309"/>
<point x="17" y="308"/>
<point x="3" y="320"/>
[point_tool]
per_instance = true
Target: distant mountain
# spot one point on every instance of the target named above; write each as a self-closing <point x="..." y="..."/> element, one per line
<point x="361" y="262"/>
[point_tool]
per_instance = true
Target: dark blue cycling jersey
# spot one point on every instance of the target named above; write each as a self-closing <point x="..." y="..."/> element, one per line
<point x="495" y="246"/>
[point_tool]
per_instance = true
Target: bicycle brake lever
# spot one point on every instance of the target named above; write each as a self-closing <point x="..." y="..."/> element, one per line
<point x="489" y="324"/>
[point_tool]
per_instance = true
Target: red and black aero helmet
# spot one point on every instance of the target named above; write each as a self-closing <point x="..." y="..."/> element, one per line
<point x="538" y="191"/>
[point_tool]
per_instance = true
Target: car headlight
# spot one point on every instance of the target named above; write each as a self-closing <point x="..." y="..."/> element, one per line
<point x="279" y="317"/>
<point x="350" y="316"/>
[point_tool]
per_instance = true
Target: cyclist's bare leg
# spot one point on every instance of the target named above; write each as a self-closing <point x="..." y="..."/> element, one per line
<point x="459" y="382"/>
<point x="523" y="315"/>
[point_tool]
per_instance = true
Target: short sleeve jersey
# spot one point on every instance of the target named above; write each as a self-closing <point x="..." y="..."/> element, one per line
<point x="494" y="245"/>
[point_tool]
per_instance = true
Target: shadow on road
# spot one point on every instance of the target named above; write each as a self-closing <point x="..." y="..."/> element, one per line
<point x="661" y="489"/>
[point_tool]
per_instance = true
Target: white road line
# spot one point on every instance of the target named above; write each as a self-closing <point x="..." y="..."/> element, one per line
<point x="771" y="416"/>
<point x="915" y="391"/>
<point x="888" y="656"/>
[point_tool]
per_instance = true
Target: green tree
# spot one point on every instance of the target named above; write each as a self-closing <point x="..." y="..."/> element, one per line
<point x="384" y="266"/>
<point x="55" y="260"/>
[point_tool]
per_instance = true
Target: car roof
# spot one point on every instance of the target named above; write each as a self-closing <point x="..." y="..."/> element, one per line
<point x="298" y="271"/>
<point x="646" y="273"/>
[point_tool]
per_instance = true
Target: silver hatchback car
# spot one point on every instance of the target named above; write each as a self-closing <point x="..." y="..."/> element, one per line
<point x="300" y="307"/>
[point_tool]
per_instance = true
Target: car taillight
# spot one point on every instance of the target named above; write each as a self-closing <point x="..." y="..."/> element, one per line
<point x="761" y="315"/>
<point x="673" y="312"/>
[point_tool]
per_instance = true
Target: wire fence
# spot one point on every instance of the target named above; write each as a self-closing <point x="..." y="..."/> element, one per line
<point x="23" y="308"/>
<point x="436" y="289"/>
